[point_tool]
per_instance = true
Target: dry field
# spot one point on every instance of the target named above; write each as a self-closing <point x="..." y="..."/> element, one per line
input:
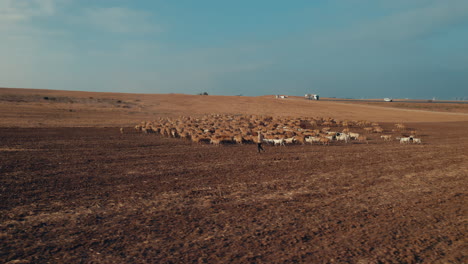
<point x="29" y="108"/>
<point x="73" y="189"/>
<point x="425" y="106"/>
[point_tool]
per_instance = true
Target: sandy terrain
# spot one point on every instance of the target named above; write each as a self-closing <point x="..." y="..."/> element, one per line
<point x="73" y="189"/>
<point x="65" y="108"/>
<point x="437" y="107"/>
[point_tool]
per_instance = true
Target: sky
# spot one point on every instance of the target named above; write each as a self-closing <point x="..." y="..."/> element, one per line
<point x="335" y="48"/>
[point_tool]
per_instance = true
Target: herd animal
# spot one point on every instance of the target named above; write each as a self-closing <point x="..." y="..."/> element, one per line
<point x="386" y="137"/>
<point x="410" y="139"/>
<point x="220" y="129"/>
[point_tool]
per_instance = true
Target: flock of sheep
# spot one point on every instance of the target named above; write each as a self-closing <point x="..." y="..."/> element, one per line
<point x="239" y="129"/>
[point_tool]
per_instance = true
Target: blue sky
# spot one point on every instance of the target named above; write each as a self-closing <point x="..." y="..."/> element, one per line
<point x="336" y="48"/>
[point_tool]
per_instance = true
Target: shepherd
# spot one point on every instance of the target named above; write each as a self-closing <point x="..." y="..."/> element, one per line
<point x="260" y="141"/>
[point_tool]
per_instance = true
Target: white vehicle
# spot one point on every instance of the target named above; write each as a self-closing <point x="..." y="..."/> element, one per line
<point x="388" y="99"/>
<point x="312" y="96"/>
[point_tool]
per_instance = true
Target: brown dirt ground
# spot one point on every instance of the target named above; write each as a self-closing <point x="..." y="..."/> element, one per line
<point x="28" y="108"/>
<point x="91" y="195"/>
<point x="437" y="107"/>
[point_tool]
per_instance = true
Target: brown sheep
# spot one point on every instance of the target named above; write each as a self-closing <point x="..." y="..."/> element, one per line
<point x="238" y="139"/>
<point x="249" y="139"/>
<point x="386" y="137"/>
<point x="363" y="139"/>
<point x="300" y="139"/>
<point x="378" y="129"/>
<point x="215" y="141"/>
<point x="325" y="141"/>
<point x="400" y="126"/>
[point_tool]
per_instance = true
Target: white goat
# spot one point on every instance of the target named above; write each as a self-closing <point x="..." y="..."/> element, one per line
<point x="278" y="142"/>
<point x="405" y="140"/>
<point x="343" y="137"/>
<point x="312" y="139"/>
<point x="353" y="135"/>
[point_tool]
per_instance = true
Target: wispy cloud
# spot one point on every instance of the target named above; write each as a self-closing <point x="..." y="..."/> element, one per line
<point x="418" y="22"/>
<point x="120" y="20"/>
<point x="22" y="15"/>
<point x="25" y="10"/>
<point x="421" y="19"/>
<point x="18" y="18"/>
<point x="113" y="45"/>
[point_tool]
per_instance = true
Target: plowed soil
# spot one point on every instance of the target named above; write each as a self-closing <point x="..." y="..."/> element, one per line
<point x="91" y="195"/>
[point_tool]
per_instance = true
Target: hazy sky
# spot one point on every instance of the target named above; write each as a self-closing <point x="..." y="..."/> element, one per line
<point x="336" y="48"/>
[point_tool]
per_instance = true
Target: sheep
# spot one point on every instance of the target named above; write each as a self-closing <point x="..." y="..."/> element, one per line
<point x="343" y="137"/>
<point x="312" y="139"/>
<point x="166" y="132"/>
<point x="121" y="130"/>
<point x="386" y="137"/>
<point x="218" y="129"/>
<point x="249" y="139"/>
<point x="400" y="126"/>
<point x="325" y="141"/>
<point x="238" y="139"/>
<point x="363" y="139"/>
<point x="278" y="142"/>
<point x="225" y="139"/>
<point x="215" y="141"/>
<point x="417" y="141"/>
<point x="185" y="135"/>
<point x="378" y="129"/>
<point x="405" y="140"/>
<point x="353" y="135"/>
<point x="196" y="138"/>
<point x="156" y="129"/>
<point x="174" y="133"/>
<point x="300" y="139"/>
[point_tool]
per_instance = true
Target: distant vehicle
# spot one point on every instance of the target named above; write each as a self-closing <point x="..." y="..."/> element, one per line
<point x="312" y="96"/>
<point x="388" y="99"/>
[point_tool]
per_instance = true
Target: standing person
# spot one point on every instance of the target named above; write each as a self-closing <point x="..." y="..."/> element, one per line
<point x="260" y="141"/>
